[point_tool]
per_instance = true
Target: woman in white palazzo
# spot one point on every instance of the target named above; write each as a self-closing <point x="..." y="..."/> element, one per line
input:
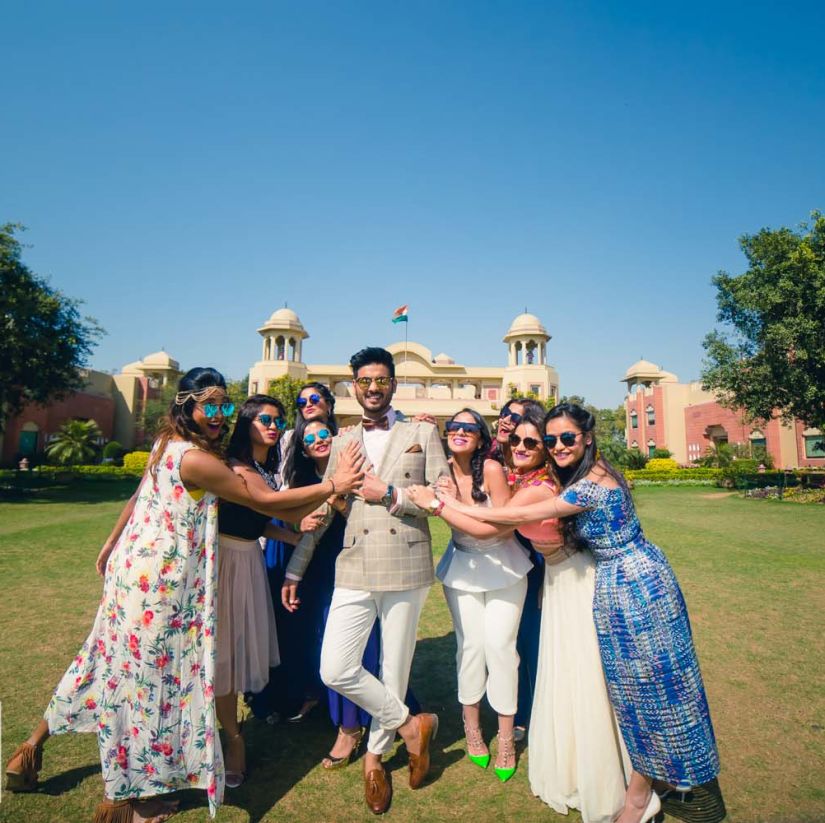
<point x="576" y="757"/>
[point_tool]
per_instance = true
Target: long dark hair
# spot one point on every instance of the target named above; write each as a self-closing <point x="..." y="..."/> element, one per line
<point x="496" y="452"/>
<point x="179" y="422"/>
<point x="585" y="422"/>
<point x="299" y="467"/>
<point x="479" y="455"/>
<point x="328" y="396"/>
<point x="240" y="443"/>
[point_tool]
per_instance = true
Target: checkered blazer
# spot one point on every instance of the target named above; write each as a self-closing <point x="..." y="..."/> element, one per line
<point x="383" y="551"/>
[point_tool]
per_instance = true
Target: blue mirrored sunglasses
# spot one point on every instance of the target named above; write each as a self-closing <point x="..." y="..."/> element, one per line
<point x="211" y="409"/>
<point x="268" y="420"/>
<point x="315" y="399"/>
<point x="323" y="434"/>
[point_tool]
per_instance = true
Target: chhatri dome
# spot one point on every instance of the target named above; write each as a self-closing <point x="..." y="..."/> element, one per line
<point x="527" y="323"/>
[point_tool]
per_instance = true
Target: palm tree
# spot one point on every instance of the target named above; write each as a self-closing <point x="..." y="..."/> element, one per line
<point x="76" y="443"/>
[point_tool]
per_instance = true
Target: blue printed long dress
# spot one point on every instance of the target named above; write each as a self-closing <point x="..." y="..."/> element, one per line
<point x="144" y="679"/>
<point x="645" y="640"/>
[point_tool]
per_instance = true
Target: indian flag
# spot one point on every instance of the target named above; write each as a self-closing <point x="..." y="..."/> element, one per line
<point x="400" y="315"/>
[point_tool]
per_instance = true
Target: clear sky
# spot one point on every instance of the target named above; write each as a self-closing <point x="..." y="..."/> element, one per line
<point x="186" y="168"/>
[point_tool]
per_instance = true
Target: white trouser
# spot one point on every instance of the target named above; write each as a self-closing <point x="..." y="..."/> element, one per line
<point x="486" y="626"/>
<point x="351" y="616"/>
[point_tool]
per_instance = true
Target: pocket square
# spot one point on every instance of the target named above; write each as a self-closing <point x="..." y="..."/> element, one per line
<point x="415" y="449"/>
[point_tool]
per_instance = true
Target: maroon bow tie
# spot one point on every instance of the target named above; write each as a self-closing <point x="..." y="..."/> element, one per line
<point x="381" y="423"/>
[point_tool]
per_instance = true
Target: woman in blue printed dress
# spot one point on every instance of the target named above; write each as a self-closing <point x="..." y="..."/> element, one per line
<point x="641" y="620"/>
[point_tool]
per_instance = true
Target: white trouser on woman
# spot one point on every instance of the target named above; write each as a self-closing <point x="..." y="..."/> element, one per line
<point x="351" y="616"/>
<point x="486" y="627"/>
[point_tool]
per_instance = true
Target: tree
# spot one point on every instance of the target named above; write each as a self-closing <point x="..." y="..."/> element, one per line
<point x="45" y="341"/>
<point x="285" y="389"/>
<point x="776" y="358"/>
<point x="76" y="443"/>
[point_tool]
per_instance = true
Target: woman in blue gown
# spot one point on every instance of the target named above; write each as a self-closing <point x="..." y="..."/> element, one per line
<point x="644" y="633"/>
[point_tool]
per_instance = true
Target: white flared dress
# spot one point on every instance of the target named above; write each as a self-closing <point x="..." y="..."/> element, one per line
<point x="577" y="758"/>
<point x="144" y="679"/>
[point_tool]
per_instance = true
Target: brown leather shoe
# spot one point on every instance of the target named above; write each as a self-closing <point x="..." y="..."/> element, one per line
<point x="420" y="763"/>
<point x="377" y="790"/>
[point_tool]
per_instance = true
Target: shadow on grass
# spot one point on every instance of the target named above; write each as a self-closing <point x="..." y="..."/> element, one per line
<point x="66" y="781"/>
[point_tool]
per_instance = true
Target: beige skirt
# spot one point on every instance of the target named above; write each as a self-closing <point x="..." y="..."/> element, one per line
<point x="247" y="641"/>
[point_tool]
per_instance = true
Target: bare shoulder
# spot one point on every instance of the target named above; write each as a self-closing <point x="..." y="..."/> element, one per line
<point x="493" y="469"/>
<point x="599" y="475"/>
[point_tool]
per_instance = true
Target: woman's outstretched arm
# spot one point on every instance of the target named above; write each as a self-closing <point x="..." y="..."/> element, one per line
<point x="517" y="515"/>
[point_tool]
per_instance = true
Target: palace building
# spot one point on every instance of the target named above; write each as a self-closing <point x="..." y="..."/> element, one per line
<point x="687" y="420"/>
<point x="436" y="384"/>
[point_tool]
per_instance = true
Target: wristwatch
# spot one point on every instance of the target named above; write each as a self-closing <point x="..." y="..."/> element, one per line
<point x="388" y="495"/>
<point x="435" y="506"/>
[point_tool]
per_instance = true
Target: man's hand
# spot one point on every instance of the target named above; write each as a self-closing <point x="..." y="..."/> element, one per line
<point x="289" y="595"/>
<point x="423" y="417"/>
<point x="373" y="488"/>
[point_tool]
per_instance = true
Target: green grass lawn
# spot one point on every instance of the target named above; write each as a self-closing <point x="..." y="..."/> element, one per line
<point x="753" y="572"/>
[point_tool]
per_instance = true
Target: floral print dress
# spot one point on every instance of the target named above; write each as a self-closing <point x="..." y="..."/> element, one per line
<point x="143" y="680"/>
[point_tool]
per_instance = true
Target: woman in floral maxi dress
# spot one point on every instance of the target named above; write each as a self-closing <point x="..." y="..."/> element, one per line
<point x="144" y="679"/>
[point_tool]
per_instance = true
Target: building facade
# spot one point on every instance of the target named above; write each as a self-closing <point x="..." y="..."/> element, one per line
<point x="436" y="384"/>
<point x="687" y="420"/>
<point x="114" y="402"/>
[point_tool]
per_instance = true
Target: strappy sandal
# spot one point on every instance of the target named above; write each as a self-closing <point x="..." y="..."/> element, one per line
<point x="506" y="751"/>
<point x="23" y="767"/>
<point x="331" y="762"/>
<point x="475" y="740"/>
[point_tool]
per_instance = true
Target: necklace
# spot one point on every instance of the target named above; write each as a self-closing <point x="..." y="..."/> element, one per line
<point x="270" y="478"/>
<point x="532" y="478"/>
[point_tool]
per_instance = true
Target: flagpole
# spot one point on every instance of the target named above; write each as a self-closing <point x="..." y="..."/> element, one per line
<point x="406" y="330"/>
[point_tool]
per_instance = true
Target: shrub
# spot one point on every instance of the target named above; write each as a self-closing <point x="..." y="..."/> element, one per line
<point x="659" y="464"/>
<point x="662" y="453"/>
<point x="634" y="459"/>
<point x="113" y="453"/>
<point x="136" y="462"/>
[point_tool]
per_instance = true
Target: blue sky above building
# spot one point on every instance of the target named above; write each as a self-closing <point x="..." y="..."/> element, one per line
<point x="187" y="169"/>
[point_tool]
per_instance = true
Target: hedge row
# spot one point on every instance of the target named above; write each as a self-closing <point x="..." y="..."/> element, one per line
<point x="61" y="472"/>
<point x="672" y="474"/>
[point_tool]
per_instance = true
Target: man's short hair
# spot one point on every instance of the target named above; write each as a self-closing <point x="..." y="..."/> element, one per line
<point x="370" y="355"/>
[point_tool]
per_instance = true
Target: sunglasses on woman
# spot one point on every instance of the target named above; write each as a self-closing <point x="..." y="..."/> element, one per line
<point x="323" y="434"/>
<point x="515" y="418"/>
<point x="567" y="439"/>
<point x="268" y="419"/>
<point x="301" y="402"/>
<point x="210" y="410"/>
<point x="467" y="428"/>
<point x="530" y="443"/>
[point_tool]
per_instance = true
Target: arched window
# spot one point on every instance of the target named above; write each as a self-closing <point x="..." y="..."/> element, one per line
<point x="651" y="447"/>
<point x="651" y="416"/>
<point x="634" y="419"/>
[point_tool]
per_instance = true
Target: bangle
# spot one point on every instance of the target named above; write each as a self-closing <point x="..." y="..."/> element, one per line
<point x="332" y="482"/>
<point x="439" y="508"/>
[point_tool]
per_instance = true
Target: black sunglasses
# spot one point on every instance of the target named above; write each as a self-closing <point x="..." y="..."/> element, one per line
<point x="467" y="428"/>
<point x="515" y="417"/>
<point x="567" y="439"/>
<point x="530" y="443"/>
<point x="315" y="399"/>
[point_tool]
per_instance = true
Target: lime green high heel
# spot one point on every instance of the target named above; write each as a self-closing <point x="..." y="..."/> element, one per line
<point x="506" y="751"/>
<point x="475" y="741"/>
